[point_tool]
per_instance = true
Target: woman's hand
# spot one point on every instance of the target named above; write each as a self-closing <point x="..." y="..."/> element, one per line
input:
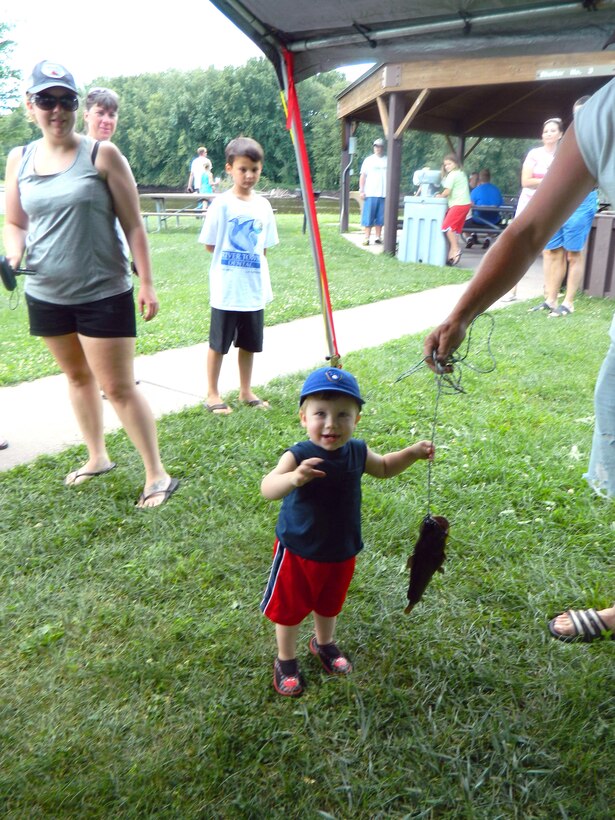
<point x="147" y="302"/>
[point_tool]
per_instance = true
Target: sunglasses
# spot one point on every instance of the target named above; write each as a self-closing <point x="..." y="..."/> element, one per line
<point x="47" y="102"/>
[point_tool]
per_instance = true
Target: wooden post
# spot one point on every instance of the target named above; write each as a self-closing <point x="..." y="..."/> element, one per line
<point x="345" y="177"/>
<point x="391" y="205"/>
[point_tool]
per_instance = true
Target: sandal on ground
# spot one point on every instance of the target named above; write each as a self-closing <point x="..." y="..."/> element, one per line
<point x="588" y="626"/>
<point x="3" y="444"/>
<point x="220" y="409"/>
<point x="562" y="310"/>
<point x="542" y="306"/>
<point x="333" y="661"/>
<point x="291" y="686"/>
<point x="259" y="404"/>
<point x="153" y="490"/>
<point x="78" y="477"/>
<point x="454" y="260"/>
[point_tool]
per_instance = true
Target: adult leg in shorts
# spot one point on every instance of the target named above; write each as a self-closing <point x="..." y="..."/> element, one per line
<point x="569" y="243"/>
<point x="94" y="344"/>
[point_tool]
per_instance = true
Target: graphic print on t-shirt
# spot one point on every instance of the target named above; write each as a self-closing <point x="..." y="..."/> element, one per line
<point x="243" y="236"/>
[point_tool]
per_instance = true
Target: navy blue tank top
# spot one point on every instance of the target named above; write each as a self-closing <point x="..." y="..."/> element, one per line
<point x="322" y="520"/>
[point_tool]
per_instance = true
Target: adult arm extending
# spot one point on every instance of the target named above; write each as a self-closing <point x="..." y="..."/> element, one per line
<point x="564" y="187"/>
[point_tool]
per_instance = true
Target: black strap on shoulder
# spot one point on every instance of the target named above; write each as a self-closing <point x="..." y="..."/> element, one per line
<point x="95" y="151"/>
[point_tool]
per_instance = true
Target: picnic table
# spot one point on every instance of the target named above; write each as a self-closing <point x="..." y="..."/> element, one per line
<point x="482" y="225"/>
<point x="166" y="203"/>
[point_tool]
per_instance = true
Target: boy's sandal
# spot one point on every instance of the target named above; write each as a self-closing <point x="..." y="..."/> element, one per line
<point x="333" y="661"/>
<point x="290" y="686"/>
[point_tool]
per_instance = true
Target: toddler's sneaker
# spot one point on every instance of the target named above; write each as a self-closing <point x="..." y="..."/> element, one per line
<point x="333" y="661"/>
<point x="287" y="678"/>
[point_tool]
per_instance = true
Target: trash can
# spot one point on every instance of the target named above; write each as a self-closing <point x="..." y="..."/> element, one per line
<point x="422" y="239"/>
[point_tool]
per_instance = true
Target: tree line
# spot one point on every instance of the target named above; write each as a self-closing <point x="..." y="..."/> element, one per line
<point x="164" y="117"/>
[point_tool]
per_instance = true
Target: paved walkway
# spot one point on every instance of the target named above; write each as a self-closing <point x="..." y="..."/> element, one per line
<point x="37" y="419"/>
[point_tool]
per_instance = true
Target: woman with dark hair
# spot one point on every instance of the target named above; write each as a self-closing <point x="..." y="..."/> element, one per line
<point x="64" y="192"/>
<point x="535" y="166"/>
<point x="101" y="112"/>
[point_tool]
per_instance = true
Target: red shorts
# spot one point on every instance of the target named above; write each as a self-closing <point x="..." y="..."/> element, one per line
<point x="298" y="586"/>
<point x="455" y="218"/>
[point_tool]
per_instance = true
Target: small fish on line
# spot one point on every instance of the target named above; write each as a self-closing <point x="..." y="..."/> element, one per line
<point x="427" y="558"/>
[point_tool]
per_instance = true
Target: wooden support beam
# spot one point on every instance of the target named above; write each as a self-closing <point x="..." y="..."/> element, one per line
<point x="384" y="114"/>
<point x="416" y="107"/>
<point x="504" y="108"/>
<point x="474" y="145"/>
<point x="391" y="204"/>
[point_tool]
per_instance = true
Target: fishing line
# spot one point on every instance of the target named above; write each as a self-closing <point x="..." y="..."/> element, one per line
<point x="450" y="382"/>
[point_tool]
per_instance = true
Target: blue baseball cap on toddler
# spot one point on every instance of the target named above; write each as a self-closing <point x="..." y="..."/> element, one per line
<point x="331" y="379"/>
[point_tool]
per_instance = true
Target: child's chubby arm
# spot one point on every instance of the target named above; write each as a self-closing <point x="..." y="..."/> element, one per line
<point x="288" y="475"/>
<point x="393" y="464"/>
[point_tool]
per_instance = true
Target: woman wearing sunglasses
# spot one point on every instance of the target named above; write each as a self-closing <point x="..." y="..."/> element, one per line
<point x="63" y="193"/>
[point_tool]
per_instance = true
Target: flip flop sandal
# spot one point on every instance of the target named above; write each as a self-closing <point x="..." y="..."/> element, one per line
<point x="71" y="478"/>
<point x="588" y="625"/>
<point x="258" y="403"/>
<point x="221" y="409"/>
<point x="149" y="492"/>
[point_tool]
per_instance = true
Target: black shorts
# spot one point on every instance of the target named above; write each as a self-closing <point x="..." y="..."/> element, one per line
<point x="110" y="318"/>
<point x="243" y="328"/>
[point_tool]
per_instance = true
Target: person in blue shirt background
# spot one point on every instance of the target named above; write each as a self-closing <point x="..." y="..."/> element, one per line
<point x="486" y="193"/>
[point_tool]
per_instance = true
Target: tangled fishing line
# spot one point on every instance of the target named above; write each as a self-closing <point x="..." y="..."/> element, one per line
<point x="450" y="381"/>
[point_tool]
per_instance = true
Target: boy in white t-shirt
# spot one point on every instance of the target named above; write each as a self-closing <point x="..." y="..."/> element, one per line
<point x="238" y="229"/>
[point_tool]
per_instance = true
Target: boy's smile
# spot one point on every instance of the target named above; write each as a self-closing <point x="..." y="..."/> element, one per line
<point x="329" y="422"/>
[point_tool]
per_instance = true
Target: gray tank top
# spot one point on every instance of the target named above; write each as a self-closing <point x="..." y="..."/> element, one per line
<point x="72" y="241"/>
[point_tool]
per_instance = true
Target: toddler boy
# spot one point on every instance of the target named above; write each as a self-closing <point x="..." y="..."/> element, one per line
<point x="318" y="533"/>
<point x="238" y="229"/>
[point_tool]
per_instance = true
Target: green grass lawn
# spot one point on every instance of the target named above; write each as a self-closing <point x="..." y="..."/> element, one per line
<point x="135" y="667"/>
<point x="181" y="268"/>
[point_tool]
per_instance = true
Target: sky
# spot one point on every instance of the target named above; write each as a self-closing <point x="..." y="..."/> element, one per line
<point x="123" y="37"/>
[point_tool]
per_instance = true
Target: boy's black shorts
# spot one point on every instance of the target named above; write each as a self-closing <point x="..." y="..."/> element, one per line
<point x="110" y="318"/>
<point x="243" y="328"/>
